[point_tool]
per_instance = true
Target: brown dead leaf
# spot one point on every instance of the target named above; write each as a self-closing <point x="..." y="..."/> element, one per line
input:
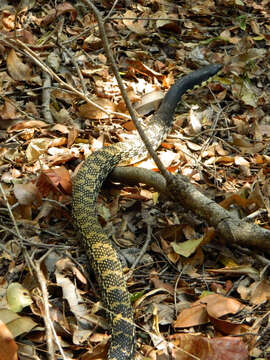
<point x="8" y="347"/>
<point x="129" y="125"/>
<point x="224" y="160"/>
<point x="7" y="20"/>
<point x="213" y="305"/>
<point x="192" y="146"/>
<point x="64" y="96"/>
<point x="226" y="36"/>
<point x="138" y="66"/>
<point x="36" y="148"/>
<point x="25" y="36"/>
<point x="17" y="69"/>
<point x="220" y="348"/>
<point x="99" y="352"/>
<point x="59" y="141"/>
<point x="219" y="305"/>
<point x="166" y="21"/>
<point x="59" y="10"/>
<point x="63" y="129"/>
<point x="17" y="324"/>
<point x="203" y="7"/>
<point x="241" y="141"/>
<point x="245" y="91"/>
<point x="149" y="102"/>
<point x="92" y="42"/>
<point x="192" y="316"/>
<point x="136" y="26"/>
<point x="260" y="292"/>
<point x="228" y="328"/>
<point x="73" y="297"/>
<point x="8" y="111"/>
<point x="28" y="125"/>
<point x="240" y="269"/>
<point x="195" y="120"/>
<point x="55" y="180"/>
<point x="44" y="210"/>
<point x="67" y="265"/>
<point x="154" y="278"/>
<point x="25" y="193"/>
<point x="243" y="164"/>
<point x="59" y="157"/>
<point x="72" y="135"/>
<point x="188" y="247"/>
<point x="88" y="111"/>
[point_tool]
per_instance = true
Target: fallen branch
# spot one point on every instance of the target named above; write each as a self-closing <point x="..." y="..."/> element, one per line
<point x="227" y="226"/>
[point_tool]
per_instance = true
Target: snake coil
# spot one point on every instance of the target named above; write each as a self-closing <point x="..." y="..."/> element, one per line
<point x="102" y="256"/>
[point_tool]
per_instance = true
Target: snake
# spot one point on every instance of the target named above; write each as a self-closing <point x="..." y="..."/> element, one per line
<point x="101" y="254"/>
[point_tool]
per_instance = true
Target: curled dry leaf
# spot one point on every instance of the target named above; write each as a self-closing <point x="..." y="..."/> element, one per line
<point x="260" y="292"/>
<point x="36" y="147"/>
<point x="67" y="265"/>
<point x="226" y="327"/>
<point x="189" y="346"/>
<point x="149" y="102"/>
<point x="166" y="21"/>
<point x="243" y="164"/>
<point x="17" y="69"/>
<point x="213" y="305"/>
<point x="195" y="119"/>
<point x="63" y="129"/>
<point x="8" y="111"/>
<point x="25" y="193"/>
<point x="7" y="20"/>
<point x="138" y="66"/>
<point x="88" y="111"/>
<point x="218" y="305"/>
<point x="59" y="10"/>
<point x="8" y="347"/>
<point x="56" y="181"/>
<point x="28" y="125"/>
<point x="17" y="324"/>
<point x="193" y="316"/>
<point x="136" y="26"/>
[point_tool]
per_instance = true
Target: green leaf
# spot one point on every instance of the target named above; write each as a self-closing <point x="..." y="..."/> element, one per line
<point x="135" y="296"/>
<point x="243" y="22"/>
<point x="186" y="248"/>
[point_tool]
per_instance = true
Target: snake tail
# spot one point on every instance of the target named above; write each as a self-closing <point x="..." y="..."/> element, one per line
<point x="101" y="254"/>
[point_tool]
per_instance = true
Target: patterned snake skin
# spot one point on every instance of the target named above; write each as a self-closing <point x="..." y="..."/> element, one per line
<point x="102" y="256"/>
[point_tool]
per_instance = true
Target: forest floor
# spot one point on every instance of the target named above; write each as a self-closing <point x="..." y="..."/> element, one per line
<point x="195" y="295"/>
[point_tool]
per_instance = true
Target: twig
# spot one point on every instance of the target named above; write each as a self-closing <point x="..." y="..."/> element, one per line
<point x="76" y="67"/>
<point x="46" y="97"/>
<point x="144" y="248"/>
<point x="3" y="248"/>
<point x="31" y="54"/>
<point x="111" y="10"/>
<point x="29" y="242"/>
<point x="115" y="70"/>
<point x="51" y="335"/>
<point x="135" y="175"/>
<point x="10" y="212"/>
<point x="80" y="35"/>
<point x="47" y="318"/>
<point x="5" y="98"/>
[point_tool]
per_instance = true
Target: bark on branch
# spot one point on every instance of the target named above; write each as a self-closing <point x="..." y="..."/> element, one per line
<point x="227" y="226"/>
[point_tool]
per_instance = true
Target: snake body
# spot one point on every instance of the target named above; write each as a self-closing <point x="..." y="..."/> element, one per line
<point x="101" y="254"/>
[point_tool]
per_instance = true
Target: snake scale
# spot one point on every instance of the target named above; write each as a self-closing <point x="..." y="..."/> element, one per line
<point x="101" y="254"/>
